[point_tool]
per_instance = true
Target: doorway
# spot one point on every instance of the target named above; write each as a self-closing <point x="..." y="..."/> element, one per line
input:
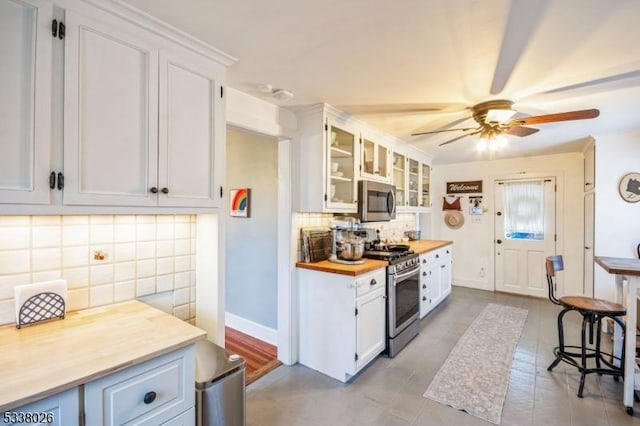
<point x="525" y="233"/>
<point x="251" y="254"/>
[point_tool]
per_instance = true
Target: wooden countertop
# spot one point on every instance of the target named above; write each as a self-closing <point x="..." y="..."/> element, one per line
<point x="619" y="265"/>
<point x="423" y="246"/>
<point x="43" y="359"/>
<point x="338" y="268"/>
<point x="420" y="246"/>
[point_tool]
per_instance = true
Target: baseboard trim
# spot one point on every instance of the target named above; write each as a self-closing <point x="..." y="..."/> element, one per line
<point x="480" y="285"/>
<point x="253" y="329"/>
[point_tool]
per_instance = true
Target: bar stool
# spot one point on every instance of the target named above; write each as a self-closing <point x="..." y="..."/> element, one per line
<point x="592" y="311"/>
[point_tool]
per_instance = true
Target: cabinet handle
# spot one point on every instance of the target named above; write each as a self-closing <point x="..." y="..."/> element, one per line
<point x="442" y="266"/>
<point x="165" y="190"/>
<point x="424" y="298"/>
<point x="149" y="397"/>
<point x="153" y="190"/>
<point x="52" y="180"/>
<point x="437" y="256"/>
<point x="447" y="251"/>
<point x="424" y="260"/>
<point x="424" y="274"/>
<point x="60" y="181"/>
<point x="373" y="281"/>
<point x="588" y="184"/>
<point x="424" y="286"/>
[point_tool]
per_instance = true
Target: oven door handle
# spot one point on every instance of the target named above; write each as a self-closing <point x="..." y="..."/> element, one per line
<point x="400" y="277"/>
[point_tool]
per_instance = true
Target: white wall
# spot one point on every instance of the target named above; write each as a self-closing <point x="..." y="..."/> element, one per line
<point x="617" y="223"/>
<point x="473" y="243"/>
<point x="251" y="272"/>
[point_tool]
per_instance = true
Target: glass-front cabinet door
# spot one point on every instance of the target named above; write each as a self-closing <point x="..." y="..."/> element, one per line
<point x="374" y="159"/>
<point x="425" y="177"/>
<point x="414" y="183"/>
<point x="342" y="153"/>
<point x="399" y="168"/>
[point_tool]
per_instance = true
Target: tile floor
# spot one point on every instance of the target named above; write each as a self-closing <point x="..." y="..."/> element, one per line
<point x="389" y="391"/>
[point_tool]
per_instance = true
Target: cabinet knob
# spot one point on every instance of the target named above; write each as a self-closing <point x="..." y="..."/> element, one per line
<point x="437" y="256"/>
<point x="153" y="190"/>
<point x="424" y="286"/>
<point x="373" y="282"/>
<point x="447" y="251"/>
<point x="165" y="190"/>
<point x="149" y="397"/>
<point x="424" y="260"/>
<point x="424" y="274"/>
<point x="424" y="298"/>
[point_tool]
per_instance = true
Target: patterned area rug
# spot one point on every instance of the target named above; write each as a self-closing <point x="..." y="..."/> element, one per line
<point x="475" y="376"/>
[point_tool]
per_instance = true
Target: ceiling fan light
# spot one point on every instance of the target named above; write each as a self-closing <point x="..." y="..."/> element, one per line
<point x="500" y="141"/>
<point x="499" y="115"/>
<point x="482" y="144"/>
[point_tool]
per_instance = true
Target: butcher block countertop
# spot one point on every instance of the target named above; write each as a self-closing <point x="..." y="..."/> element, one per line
<point x="420" y="246"/>
<point x="46" y="358"/>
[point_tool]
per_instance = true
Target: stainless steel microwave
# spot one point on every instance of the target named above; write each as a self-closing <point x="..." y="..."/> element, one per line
<point x="376" y="201"/>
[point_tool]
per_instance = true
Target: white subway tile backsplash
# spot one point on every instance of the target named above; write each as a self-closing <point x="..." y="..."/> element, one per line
<point x="77" y="299"/>
<point x="75" y="256"/>
<point x="15" y="237"/>
<point x="164" y="265"/>
<point x="15" y="220"/>
<point x="146" y="268"/>
<point x="182" y="263"/>
<point x="75" y="235"/>
<point x="7" y="311"/>
<point x="124" y="252"/>
<point x="125" y="290"/>
<point x="145" y="286"/>
<point x="146" y="232"/>
<point x="75" y="220"/>
<point x="182" y="279"/>
<point x="100" y="274"/>
<point x="15" y="262"/>
<point x="101" y="295"/>
<point x="146" y="250"/>
<point x="142" y="256"/>
<point x="124" y="232"/>
<point x="8" y="282"/>
<point x="125" y="271"/>
<point x="46" y="236"/>
<point x="164" y="283"/>
<point x="165" y="248"/>
<point x="182" y="247"/>
<point x="76" y="277"/>
<point x="181" y="296"/>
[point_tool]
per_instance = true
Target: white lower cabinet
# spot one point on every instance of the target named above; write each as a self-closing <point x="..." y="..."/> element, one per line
<point x="150" y="393"/>
<point x="58" y="410"/>
<point x="342" y="321"/>
<point x="435" y="278"/>
<point x="160" y="391"/>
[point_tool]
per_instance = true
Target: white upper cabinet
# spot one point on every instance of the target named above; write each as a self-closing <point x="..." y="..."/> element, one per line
<point x="191" y="120"/>
<point x="25" y="111"/>
<point x="411" y="177"/>
<point x="342" y="158"/>
<point x="375" y="158"/>
<point x="111" y="114"/>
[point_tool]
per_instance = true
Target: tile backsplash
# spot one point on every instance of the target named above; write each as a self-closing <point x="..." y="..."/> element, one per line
<point x="391" y="231"/>
<point x="105" y="258"/>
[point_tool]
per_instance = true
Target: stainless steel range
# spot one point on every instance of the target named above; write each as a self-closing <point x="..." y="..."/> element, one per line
<point x="403" y="286"/>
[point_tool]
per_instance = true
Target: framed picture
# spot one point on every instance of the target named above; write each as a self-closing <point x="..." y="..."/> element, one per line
<point x="629" y="187"/>
<point x="240" y="199"/>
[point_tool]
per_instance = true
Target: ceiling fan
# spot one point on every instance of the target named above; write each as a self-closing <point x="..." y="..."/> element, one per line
<point x="494" y="118"/>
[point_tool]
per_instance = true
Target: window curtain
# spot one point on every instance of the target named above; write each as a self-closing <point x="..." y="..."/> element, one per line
<point x="524" y="209"/>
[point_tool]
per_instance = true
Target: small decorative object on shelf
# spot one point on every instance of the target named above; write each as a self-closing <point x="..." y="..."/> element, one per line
<point x="629" y="187"/>
<point x="240" y="202"/>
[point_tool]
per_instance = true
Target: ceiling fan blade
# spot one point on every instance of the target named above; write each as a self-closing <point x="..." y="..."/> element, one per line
<point x="466" y="129"/>
<point x="559" y="116"/>
<point x="521" y="131"/>
<point x="417" y="108"/>
<point x="459" y="137"/>
<point x="524" y="17"/>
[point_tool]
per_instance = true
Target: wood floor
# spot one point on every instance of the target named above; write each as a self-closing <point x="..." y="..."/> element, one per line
<point x="261" y="357"/>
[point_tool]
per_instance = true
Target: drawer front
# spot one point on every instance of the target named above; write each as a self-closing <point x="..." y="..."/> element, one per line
<point x="146" y="394"/>
<point x="184" y="419"/>
<point x="370" y="282"/>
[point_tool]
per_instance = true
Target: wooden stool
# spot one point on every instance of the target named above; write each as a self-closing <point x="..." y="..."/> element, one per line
<point x="592" y="311"/>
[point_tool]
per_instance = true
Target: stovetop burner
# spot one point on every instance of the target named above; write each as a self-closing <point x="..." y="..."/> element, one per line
<point x="388" y="255"/>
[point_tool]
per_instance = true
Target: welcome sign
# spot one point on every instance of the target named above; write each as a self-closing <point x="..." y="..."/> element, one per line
<point x="468" y="187"/>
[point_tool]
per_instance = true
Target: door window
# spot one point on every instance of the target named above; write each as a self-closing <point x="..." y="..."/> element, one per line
<point x="524" y="210"/>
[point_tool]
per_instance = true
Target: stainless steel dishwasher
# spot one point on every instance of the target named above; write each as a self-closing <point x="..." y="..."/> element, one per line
<point x="220" y="386"/>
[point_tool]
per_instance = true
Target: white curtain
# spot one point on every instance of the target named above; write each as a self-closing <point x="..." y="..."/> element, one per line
<point x="524" y="210"/>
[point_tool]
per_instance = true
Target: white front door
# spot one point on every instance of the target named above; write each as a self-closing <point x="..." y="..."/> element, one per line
<point x="525" y="233"/>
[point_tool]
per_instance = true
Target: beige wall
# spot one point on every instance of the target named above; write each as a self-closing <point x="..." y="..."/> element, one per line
<point x="473" y="243"/>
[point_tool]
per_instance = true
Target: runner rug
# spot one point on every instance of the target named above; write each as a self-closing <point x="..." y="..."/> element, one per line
<point x="475" y="376"/>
